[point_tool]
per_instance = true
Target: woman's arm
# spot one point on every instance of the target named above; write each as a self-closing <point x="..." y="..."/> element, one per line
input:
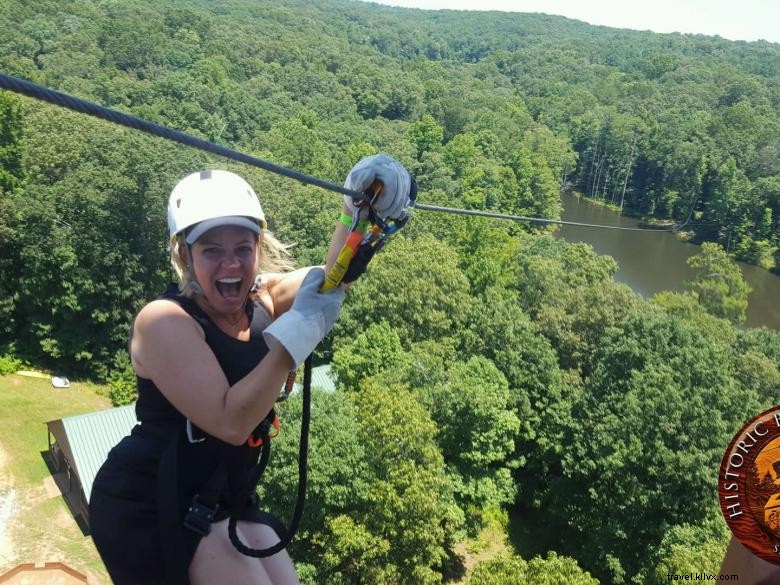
<point x="282" y="288"/>
<point x="337" y="241"/>
<point x="169" y="348"/>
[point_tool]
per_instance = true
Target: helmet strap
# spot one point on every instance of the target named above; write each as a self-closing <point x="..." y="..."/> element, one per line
<point x="196" y="288"/>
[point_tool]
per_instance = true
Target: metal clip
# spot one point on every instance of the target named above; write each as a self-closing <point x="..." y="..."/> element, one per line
<point x="199" y="516"/>
<point x="190" y="436"/>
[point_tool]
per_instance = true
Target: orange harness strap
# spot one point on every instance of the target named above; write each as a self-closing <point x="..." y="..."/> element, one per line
<point x="255" y="442"/>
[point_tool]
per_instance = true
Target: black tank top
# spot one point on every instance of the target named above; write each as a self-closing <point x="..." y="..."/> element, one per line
<point x="236" y="358"/>
<point x="160" y="421"/>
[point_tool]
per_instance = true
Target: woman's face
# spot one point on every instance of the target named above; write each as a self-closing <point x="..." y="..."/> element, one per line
<point x="224" y="260"/>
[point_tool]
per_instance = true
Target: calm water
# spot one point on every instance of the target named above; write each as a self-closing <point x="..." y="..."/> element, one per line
<point x="651" y="262"/>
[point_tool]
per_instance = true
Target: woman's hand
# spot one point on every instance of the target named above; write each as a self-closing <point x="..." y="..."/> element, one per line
<point x="309" y="319"/>
<point x="396" y="180"/>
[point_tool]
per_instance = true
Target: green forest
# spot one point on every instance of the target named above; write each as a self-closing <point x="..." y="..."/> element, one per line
<point x="492" y="379"/>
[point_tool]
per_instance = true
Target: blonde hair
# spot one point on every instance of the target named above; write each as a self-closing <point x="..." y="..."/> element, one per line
<point x="272" y="256"/>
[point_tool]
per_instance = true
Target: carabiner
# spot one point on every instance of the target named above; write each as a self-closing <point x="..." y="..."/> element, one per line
<point x="255" y="442"/>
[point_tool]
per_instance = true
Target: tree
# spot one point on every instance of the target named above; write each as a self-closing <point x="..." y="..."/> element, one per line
<point x="557" y="569"/>
<point x="540" y="396"/>
<point x="658" y="388"/>
<point x="686" y="306"/>
<point x="488" y="253"/>
<point x="513" y="570"/>
<point x="476" y="432"/>
<point x="374" y="351"/>
<point x="555" y="150"/>
<point x="492" y="187"/>
<point x="12" y="178"/>
<point x="538" y="191"/>
<point x="757" y="361"/>
<point x="719" y="285"/>
<point x="426" y="135"/>
<point x="614" y="397"/>
<point x="504" y="570"/>
<point x="410" y="500"/>
<point x="688" y="549"/>
<point x="93" y="246"/>
<point x="418" y="298"/>
<point x="546" y="265"/>
<point x="461" y="153"/>
<point x="334" y="543"/>
<point x="762" y="340"/>
<point x="727" y="205"/>
<point x="576" y="319"/>
<point x="298" y="144"/>
<point x="12" y="174"/>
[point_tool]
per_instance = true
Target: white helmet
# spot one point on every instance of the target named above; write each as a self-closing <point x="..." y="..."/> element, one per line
<point x="210" y="199"/>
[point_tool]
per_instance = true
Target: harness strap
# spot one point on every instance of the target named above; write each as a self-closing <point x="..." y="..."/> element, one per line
<point x="180" y="539"/>
<point x="205" y="504"/>
<point x="177" y="536"/>
<point x="263" y="431"/>
<point x="176" y="566"/>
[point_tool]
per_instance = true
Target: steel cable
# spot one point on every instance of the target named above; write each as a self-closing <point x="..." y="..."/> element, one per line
<point x="33" y="90"/>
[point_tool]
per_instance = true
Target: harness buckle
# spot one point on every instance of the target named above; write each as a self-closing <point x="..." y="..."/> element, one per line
<point x="191" y="435"/>
<point x="264" y="429"/>
<point x="199" y="516"/>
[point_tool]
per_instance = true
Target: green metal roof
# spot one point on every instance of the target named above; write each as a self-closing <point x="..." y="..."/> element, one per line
<point x="91" y="436"/>
<point x="321" y="377"/>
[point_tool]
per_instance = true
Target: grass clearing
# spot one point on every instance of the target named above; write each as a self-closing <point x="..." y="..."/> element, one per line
<point x="492" y="541"/>
<point x="41" y="527"/>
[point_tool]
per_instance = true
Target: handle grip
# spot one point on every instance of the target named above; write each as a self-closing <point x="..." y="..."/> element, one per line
<point x="335" y="275"/>
<point x="339" y="269"/>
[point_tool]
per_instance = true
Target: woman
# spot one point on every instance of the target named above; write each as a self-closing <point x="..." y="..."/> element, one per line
<point x="211" y="356"/>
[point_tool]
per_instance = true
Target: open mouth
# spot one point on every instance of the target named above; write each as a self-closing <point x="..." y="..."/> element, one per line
<point x="228" y="287"/>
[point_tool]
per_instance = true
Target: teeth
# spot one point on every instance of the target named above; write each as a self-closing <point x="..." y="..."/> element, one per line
<point x="229" y="280"/>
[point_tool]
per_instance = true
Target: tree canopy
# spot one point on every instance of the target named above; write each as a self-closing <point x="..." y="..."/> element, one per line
<point x="481" y="368"/>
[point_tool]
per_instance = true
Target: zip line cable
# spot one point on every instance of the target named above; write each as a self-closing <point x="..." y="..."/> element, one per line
<point x="69" y="102"/>
<point x="33" y="90"/>
<point x="427" y="207"/>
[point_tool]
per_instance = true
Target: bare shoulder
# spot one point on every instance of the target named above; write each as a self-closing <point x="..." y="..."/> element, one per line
<point x="161" y="327"/>
<point x="157" y="312"/>
<point x="270" y="279"/>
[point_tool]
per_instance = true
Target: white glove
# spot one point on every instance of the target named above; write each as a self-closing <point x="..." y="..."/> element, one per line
<point x="309" y="319"/>
<point x="393" y="199"/>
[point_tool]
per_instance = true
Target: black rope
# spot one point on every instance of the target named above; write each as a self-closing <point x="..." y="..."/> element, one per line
<point x="57" y="98"/>
<point x="251" y="485"/>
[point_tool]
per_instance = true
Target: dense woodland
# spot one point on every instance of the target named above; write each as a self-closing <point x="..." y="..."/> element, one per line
<point x="489" y="375"/>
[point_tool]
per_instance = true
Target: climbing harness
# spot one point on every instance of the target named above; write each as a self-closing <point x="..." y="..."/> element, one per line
<point x="248" y="492"/>
<point x="257" y="438"/>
